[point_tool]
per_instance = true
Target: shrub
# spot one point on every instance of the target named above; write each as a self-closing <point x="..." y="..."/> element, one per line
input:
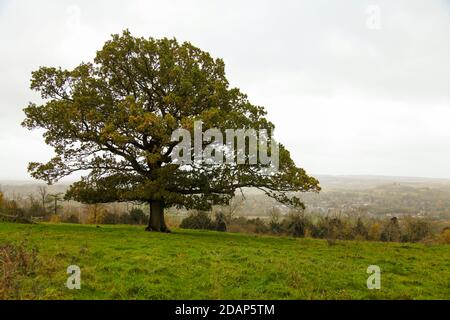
<point x="136" y="216"/>
<point x="15" y="260"/>
<point x="242" y="224"/>
<point x="328" y="228"/>
<point x="220" y="222"/>
<point x="71" y="218"/>
<point x="296" y="223"/>
<point x="202" y="220"/>
<point x="416" y="230"/>
<point x="35" y="210"/>
<point x="108" y="218"/>
<point x="239" y="221"/>
<point x="445" y="236"/>
<point x="97" y="214"/>
<point x="360" y="231"/>
<point x="274" y="222"/>
<point x="172" y="221"/>
<point x="54" y="218"/>
<point x="259" y="225"/>
<point x="391" y="231"/>
<point x="331" y="228"/>
<point x="374" y="232"/>
<point x="198" y="220"/>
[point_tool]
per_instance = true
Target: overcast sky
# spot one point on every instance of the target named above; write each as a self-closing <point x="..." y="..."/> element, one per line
<point x="353" y="87"/>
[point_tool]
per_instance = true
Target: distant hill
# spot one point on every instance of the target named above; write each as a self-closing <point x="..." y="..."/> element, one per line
<point x="373" y="195"/>
<point x="328" y="182"/>
<point x="367" y="181"/>
<point x="22" y="188"/>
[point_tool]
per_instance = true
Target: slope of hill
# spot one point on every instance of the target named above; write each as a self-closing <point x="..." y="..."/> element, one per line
<point x="123" y="262"/>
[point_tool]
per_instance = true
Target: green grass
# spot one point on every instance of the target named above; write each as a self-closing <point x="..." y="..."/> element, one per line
<point x="124" y="262"/>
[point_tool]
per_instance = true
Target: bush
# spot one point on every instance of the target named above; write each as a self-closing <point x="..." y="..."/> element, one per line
<point x="332" y="228"/>
<point x="445" y="236"/>
<point x="328" y="228"/>
<point x="274" y="222"/>
<point x="35" y="210"/>
<point x="136" y="216"/>
<point x="360" y="231"/>
<point x="108" y="218"/>
<point x="296" y="223"/>
<point x="220" y="222"/>
<point x="241" y="224"/>
<point x="416" y="230"/>
<point x="374" y="232"/>
<point x="391" y="231"/>
<point x="202" y="220"/>
<point x="259" y="225"/>
<point x="55" y="218"/>
<point x="71" y="218"/>
<point x="98" y="214"/>
<point x="15" y="260"/>
<point x="198" y="220"/>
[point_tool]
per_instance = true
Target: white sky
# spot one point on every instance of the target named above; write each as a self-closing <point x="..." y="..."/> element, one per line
<point x="345" y="98"/>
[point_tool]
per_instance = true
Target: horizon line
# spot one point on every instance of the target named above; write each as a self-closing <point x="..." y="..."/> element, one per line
<point x="29" y="180"/>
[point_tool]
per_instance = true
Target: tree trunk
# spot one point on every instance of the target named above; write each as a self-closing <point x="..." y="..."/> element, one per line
<point x="156" y="221"/>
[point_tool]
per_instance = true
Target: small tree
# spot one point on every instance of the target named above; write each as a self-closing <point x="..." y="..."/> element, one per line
<point x="96" y="213"/>
<point x="136" y="216"/>
<point x="297" y="223"/>
<point x="274" y="222"/>
<point x="416" y="229"/>
<point x="232" y="208"/>
<point x="220" y="222"/>
<point x="374" y="231"/>
<point x="54" y="200"/>
<point x="391" y="231"/>
<point x="360" y="230"/>
<point x="43" y="196"/>
<point x="2" y="200"/>
<point x="33" y="207"/>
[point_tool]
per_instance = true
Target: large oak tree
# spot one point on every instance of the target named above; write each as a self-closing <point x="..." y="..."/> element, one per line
<point x="112" y="119"/>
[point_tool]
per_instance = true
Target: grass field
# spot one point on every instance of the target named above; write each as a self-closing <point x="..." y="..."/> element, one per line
<point x="124" y="262"/>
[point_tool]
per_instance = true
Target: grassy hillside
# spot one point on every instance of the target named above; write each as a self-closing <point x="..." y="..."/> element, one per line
<point x="124" y="262"/>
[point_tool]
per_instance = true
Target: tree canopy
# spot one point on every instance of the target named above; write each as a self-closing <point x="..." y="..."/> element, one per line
<point x="112" y="119"/>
